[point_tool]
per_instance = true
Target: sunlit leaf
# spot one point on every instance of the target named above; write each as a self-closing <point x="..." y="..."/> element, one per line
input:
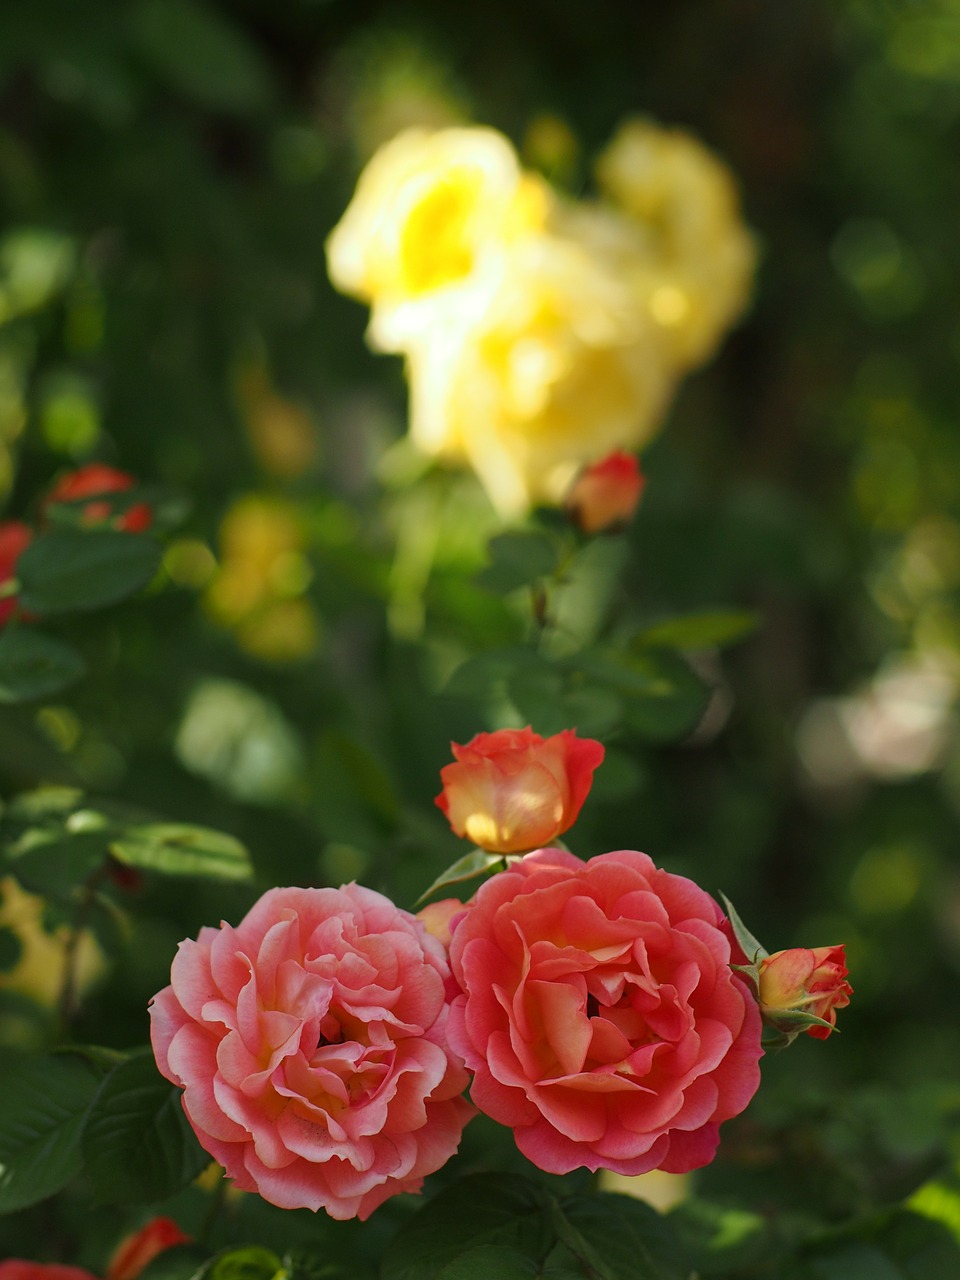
<point x="707" y="630"/>
<point x="179" y="849"/>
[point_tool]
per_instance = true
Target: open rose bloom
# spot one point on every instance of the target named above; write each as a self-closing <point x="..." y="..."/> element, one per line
<point x="311" y="1044"/>
<point x="600" y="1013"/>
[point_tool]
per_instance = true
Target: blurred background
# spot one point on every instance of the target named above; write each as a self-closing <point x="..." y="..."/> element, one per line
<point x="169" y="172"/>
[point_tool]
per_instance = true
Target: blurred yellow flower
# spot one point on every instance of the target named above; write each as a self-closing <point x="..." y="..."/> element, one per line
<point x="432" y="212"/>
<point x="541" y="334"/>
<point x="39" y="969"/>
<point x="697" y="269"/>
<point x="563" y="366"/>
<point x="259" y="588"/>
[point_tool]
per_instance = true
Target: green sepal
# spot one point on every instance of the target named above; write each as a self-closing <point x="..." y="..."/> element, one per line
<point x="751" y="948"/>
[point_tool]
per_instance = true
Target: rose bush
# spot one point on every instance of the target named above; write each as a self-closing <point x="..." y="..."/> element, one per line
<point x="512" y="790"/>
<point x="600" y="1013"/>
<point x="310" y="1041"/>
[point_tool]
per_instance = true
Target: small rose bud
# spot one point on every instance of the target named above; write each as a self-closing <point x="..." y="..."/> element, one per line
<point x="134" y="1253"/>
<point x="512" y="790"/>
<point x="606" y="494"/>
<point x="99" y="482"/>
<point x="803" y="981"/>
<point x="15" y="537"/>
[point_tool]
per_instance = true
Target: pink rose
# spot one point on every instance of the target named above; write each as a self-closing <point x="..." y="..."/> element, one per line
<point x="311" y="1044"/>
<point x="606" y="495"/>
<point x="600" y="1013"/>
<point x="512" y="790"/>
<point x="802" y="980"/>
<point x="19" y="1269"/>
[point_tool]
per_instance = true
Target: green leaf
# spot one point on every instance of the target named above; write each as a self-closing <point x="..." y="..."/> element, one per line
<point x="137" y="1142"/>
<point x="43" y="1104"/>
<point x="178" y="849"/>
<point x="65" y="570"/>
<point x="517" y="560"/>
<point x="662" y="698"/>
<point x="489" y="1261"/>
<point x="472" y="864"/>
<point x="629" y="1238"/>
<point x="502" y="1210"/>
<point x="204" y="55"/>
<point x="34" y="665"/>
<point x="709" y="630"/>
<point x="492" y="1218"/>
<point x="751" y="948"/>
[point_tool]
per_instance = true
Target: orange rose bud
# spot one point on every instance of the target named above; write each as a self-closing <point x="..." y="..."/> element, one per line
<point x="15" y="537"/>
<point x="605" y="495"/>
<point x="802" y="981"/>
<point x="98" y="481"/>
<point x="134" y="1253"/>
<point x="511" y="791"/>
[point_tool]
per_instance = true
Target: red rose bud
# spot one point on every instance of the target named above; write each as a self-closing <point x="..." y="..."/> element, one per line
<point x="800" y="985"/>
<point x="15" y="537"/>
<point x="134" y="1253"/>
<point x="99" y="482"/>
<point x="512" y="790"/>
<point x="605" y="495"/>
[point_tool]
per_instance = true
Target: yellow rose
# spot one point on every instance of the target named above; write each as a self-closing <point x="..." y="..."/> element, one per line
<point x="700" y="258"/>
<point x="431" y="213"/>
<point x="560" y="366"/>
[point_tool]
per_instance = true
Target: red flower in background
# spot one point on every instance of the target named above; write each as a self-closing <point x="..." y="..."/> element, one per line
<point x="98" y="482"/>
<point x="134" y="1253"/>
<point x="606" y="495"/>
<point x="511" y="791"/>
<point x="15" y="537"/>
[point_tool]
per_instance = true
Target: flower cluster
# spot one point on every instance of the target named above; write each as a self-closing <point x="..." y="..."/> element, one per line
<point x="540" y="333"/>
<point x="596" y="1008"/>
